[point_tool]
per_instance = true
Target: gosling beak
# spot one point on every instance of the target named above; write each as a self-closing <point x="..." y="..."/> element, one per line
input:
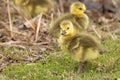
<point x="63" y="32"/>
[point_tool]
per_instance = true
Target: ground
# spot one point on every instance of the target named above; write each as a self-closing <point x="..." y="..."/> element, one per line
<point x="23" y="57"/>
<point x="58" y="66"/>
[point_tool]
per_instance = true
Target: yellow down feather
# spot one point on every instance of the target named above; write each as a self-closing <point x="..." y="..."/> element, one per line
<point x="80" y="46"/>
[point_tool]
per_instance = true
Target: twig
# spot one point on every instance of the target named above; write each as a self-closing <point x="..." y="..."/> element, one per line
<point x="18" y="46"/>
<point x="8" y="43"/>
<point x="19" y="33"/>
<point x="61" y="5"/>
<point x="20" y="13"/>
<point x="30" y="23"/>
<point x="38" y="27"/>
<point x="9" y="17"/>
<point x="58" y="12"/>
<point x="93" y="27"/>
<point x="51" y="20"/>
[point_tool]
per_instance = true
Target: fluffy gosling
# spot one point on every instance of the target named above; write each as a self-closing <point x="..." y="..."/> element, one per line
<point x="81" y="46"/>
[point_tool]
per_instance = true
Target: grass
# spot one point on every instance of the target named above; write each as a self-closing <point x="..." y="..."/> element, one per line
<point x="106" y="67"/>
<point x="14" y="52"/>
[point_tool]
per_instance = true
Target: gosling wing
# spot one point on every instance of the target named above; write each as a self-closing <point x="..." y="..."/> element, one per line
<point x="83" y="40"/>
<point x="82" y="20"/>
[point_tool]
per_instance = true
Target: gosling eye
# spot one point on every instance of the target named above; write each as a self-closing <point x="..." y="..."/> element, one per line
<point x="67" y="28"/>
<point x="80" y="8"/>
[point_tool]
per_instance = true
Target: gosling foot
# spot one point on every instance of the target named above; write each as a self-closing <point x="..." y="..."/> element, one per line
<point x="81" y="67"/>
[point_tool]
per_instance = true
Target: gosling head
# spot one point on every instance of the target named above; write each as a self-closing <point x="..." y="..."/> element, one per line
<point x="77" y="8"/>
<point x="66" y="28"/>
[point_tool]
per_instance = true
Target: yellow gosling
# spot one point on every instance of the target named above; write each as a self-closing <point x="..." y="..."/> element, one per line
<point x="81" y="46"/>
<point x="34" y="7"/>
